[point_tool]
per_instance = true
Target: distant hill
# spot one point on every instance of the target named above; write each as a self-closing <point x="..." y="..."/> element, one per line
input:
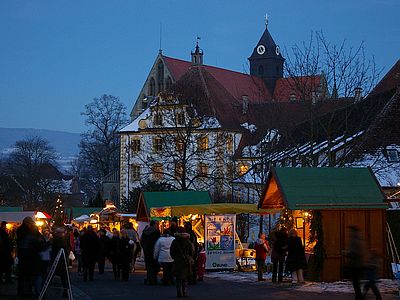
<point x="65" y="143"/>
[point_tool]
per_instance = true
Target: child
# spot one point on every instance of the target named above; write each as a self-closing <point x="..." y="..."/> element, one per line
<point x="262" y="248"/>
<point x="201" y="263"/>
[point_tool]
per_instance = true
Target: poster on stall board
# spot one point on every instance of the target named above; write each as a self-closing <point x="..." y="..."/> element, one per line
<point x="220" y="241"/>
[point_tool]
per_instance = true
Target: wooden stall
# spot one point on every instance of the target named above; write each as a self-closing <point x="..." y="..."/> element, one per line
<point x="148" y="200"/>
<point x="340" y="197"/>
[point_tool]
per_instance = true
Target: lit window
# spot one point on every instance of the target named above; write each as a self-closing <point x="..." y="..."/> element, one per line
<point x="135" y="172"/>
<point x="178" y="169"/>
<point x="157" y="170"/>
<point x="135" y="145"/>
<point x="180" y="146"/>
<point x="180" y="118"/>
<point x="157" y="145"/>
<point x="243" y="169"/>
<point x="202" y="143"/>
<point x="158" y="120"/>
<point x="203" y="170"/>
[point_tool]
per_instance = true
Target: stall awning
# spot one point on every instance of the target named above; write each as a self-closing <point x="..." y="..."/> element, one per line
<point x="208" y="209"/>
<point x="11" y="208"/>
<point x="148" y="200"/>
<point x="17" y="216"/>
<point x="75" y="212"/>
<point x="322" y="188"/>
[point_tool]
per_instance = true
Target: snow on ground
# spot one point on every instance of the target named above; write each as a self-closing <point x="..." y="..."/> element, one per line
<point x="386" y="286"/>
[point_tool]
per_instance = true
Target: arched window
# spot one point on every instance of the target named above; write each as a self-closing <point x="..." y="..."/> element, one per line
<point x="168" y="84"/>
<point x="260" y="70"/>
<point x="160" y="76"/>
<point x="152" y="87"/>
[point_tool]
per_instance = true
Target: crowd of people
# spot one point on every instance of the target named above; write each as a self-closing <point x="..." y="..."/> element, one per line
<point x="287" y="249"/>
<point x="175" y="251"/>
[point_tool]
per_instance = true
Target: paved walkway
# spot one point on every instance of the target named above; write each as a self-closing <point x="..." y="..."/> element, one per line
<point x="105" y="287"/>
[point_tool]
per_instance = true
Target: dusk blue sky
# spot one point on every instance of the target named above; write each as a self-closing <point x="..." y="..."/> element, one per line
<point x="55" y="56"/>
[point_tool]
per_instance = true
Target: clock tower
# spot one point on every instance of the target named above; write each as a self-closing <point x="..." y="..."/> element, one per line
<point x="266" y="60"/>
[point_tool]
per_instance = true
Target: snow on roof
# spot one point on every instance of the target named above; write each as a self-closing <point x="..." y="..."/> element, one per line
<point x="134" y="125"/>
<point x="210" y="123"/>
<point x="252" y="150"/>
<point x="250" y="127"/>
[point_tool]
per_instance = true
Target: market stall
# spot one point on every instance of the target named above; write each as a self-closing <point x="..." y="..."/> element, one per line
<point x="108" y="217"/>
<point x="15" y="218"/>
<point x="215" y="226"/>
<point x="321" y="203"/>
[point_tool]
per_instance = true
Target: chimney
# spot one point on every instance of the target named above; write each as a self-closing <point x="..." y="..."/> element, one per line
<point x="245" y="104"/>
<point x="357" y="94"/>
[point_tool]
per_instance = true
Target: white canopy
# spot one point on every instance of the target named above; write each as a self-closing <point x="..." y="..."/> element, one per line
<point x="16" y="217"/>
<point x="82" y="218"/>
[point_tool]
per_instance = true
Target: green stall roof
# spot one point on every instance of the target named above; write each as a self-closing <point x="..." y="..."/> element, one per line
<point x="79" y="211"/>
<point x="11" y="208"/>
<point x="163" y="199"/>
<point x="324" y="188"/>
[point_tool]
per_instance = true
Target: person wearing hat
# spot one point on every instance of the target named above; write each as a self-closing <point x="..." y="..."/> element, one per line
<point x="6" y="259"/>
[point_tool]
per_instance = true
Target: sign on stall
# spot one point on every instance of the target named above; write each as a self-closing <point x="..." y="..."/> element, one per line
<point x="220" y="241"/>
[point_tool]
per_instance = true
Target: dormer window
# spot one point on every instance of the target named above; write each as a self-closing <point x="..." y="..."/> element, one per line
<point x="392" y="155"/>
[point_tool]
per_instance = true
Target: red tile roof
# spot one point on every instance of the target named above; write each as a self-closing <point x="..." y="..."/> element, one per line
<point x="237" y="84"/>
<point x="390" y="81"/>
<point x="177" y="67"/>
<point x="302" y="87"/>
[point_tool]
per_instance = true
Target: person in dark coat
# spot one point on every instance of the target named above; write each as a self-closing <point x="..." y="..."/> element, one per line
<point x="150" y="236"/>
<point x="193" y="240"/>
<point x="182" y="252"/>
<point x="115" y="254"/>
<point x="21" y="232"/>
<point x="31" y="243"/>
<point x="60" y="242"/>
<point x="126" y="253"/>
<point x="371" y="274"/>
<point x="279" y="248"/>
<point x="355" y="256"/>
<point x="296" y="259"/>
<point x="103" y="251"/>
<point x="6" y="259"/>
<point x="89" y="247"/>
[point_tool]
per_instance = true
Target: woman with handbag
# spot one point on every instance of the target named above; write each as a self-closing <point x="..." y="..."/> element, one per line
<point x="182" y="252"/>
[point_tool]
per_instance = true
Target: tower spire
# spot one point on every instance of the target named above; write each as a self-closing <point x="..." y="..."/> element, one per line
<point x="197" y="55"/>
<point x="266" y="20"/>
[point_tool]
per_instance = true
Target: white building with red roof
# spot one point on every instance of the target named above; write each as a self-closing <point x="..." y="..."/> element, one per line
<point x="263" y="100"/>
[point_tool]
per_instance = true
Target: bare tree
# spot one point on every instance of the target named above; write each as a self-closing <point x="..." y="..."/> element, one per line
<point x="25" y="166"/>
<point x="99" y="146"/>
<point x="345" y="70"/>
<point x="182" y="148"/>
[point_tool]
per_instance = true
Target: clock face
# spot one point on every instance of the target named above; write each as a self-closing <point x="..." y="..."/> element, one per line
<point x="261" y="49"/>
<point x="277" y="51"/>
